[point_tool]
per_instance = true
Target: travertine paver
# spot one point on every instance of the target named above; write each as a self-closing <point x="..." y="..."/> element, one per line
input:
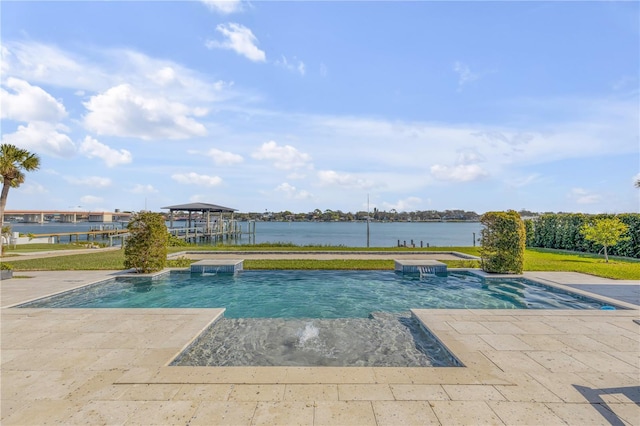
<point x="465" y="413"/>
<point x="208" y="392"/>
<point x="257" y="393"/>
<point x="311" y="393"/>
<point x="369" y="392"/>
<point x="585" y="414"/>
<point x="473" y="393"/>
<point x="525" y="413"/>
<point x="394" y="413"/>
<point x="106" y="366"/>
<point x="344" y="413"/>
<point x="224" y="413"/>
<point x="283" y="413"/>
<point x="403" y="392"/>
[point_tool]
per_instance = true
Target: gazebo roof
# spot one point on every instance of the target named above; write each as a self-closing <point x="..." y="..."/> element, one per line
<point x="200" y="207"/>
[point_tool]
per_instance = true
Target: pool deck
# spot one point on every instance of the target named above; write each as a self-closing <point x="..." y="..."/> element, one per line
<point x="110" y="366"/>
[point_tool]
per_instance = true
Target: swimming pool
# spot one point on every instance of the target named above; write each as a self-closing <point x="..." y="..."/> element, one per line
<point x="316" y="294"/>
<point x="317" y="318"/>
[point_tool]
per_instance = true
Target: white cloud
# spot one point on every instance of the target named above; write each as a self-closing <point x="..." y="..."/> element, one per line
<point x="33" y="188"/>
<point x="143" y="189"/>
<point x="122" y="111"/>
<point x="296" y="175"/>
<point x="29" y="103"/>
<point x="240" y="39"/>
<point x="593" y="128"/>
<point x="323" y="70"/>
<point x="196" y="179"/>
<point x="222" y="158"/>
<point x="292" y="192"/>
<point x="406" y="205"/>
<point x="91" y="199"/>
<point x="342" y="180"/>
<point x="465" y="169"/>
<point x="164" y="76"/>
<point x="48" y="64"/>
<point x="582" y="196"/>
<point x="465" y="75"/>
<point x="508" y="138"/>
<point x="42" y="137"/>
<point x="293" y="65"/>
<point x="92" y="148"/>
<point x="283" y="157"/>
<point x="200" y="198"/>
<point x="224" y="7"/>
<point x="93" y="181"/>
<point x="469" y="156"/>
<point x="458" y="173"/>
<point x="523" y="181"/>
<point x="100" y="69"/>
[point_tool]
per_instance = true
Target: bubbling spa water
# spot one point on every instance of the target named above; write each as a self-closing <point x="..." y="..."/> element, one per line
<point x="382" y="340"/>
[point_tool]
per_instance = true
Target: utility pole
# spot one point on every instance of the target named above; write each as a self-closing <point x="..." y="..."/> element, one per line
<point x="367" y="220"/>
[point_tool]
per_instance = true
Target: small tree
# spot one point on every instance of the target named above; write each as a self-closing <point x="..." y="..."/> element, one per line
<point x="606" y="232"/>
<point x="503" y="241"/>
<point x="145" y="249"/>
<point x="14" y="162"/>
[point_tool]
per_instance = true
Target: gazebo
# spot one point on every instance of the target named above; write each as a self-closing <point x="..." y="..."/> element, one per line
<point x="203" y="208"/>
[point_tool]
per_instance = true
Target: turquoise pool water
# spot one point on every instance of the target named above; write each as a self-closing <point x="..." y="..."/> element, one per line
<point x="316" y="294"/>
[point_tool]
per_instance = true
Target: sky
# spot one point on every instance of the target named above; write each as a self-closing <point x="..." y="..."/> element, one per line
<point x="274" y="106"/>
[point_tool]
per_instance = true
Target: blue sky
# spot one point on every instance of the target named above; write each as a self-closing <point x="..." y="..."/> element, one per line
<point x="301" y="105"/>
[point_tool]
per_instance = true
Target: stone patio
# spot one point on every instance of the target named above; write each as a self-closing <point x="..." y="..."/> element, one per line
<point x="110" y="366"/>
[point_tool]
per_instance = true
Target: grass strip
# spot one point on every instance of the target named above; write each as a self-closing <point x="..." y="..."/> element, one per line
<point x="101" y="260"/>
<point x="312" y="264"/>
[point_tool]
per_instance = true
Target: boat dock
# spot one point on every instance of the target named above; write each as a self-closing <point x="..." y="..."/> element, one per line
<point x="211" y="227"/>
<point x="91" y="235"/>
<point x="214" y="232"/>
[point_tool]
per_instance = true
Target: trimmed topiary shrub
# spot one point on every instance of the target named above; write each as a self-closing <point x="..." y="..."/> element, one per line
<point x="502" y="242"/>
<point x="145" y="249"/>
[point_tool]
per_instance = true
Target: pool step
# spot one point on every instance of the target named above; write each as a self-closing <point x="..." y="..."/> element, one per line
<point x="421" y="267"/>
<point x="217" y="266"/>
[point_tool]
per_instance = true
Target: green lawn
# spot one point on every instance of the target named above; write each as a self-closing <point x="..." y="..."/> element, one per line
<point x="548" y="260"/>
<point x="535" y="260"/>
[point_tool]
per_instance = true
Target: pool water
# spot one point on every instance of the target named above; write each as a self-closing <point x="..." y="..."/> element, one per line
<point x="316" y="294"/>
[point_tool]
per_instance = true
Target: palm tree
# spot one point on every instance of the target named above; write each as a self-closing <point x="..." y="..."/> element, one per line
<point x="13" y="161"/>
<point x="637" y="183"/>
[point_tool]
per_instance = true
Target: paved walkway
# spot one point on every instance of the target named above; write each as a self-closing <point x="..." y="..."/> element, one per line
<point x="625" y="290"/>
<point x="13" y="256"/>
<point x="110" y="366"/>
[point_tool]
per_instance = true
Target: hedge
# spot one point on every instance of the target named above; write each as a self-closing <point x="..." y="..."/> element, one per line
<point x="503" y="242"/>
<point x="562" y="231"/>
<point x="146" y="248"/>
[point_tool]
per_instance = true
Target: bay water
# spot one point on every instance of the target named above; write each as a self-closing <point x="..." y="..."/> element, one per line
<point x="348" y="234"/>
